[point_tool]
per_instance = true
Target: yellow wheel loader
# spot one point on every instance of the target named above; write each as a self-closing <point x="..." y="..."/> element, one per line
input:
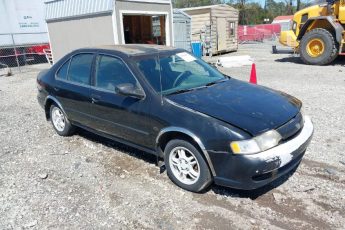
<point x="317" y="32"/>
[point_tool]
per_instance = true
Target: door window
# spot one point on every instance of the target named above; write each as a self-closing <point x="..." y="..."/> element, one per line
<point x="111" y="72"/>
<point x="80" y="68"/>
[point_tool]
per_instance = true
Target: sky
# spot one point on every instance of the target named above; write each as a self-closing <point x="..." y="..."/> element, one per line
<point x="261" y="2"/>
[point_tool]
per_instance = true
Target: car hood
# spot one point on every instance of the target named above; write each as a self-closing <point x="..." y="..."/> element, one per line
<point x="253" y="108"/>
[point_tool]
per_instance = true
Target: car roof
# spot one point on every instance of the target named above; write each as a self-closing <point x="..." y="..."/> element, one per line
<point x="132" y="49"/>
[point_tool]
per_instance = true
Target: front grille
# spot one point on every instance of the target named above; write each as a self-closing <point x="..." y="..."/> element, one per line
<point x="291" y="128"/>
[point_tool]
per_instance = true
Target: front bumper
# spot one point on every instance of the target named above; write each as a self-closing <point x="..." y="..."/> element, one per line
<point x="253" y="171"/>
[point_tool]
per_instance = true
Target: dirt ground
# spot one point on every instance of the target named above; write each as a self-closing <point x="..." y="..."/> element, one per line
<point x="88" y="182"/>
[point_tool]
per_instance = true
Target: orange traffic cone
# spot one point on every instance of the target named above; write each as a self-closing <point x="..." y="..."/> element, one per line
<point x="253" y="75"/>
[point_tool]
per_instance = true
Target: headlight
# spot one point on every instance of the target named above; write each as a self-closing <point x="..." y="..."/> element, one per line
<point x="39" y="87"/>
<point x="302" y="111"/>
<point x="294" y="26"/>
<point x="257" y="144"/>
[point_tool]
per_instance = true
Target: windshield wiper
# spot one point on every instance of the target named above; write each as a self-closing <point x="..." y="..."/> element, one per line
<point x="195" y="88"/>
<point x="186" y="90"/>
<point x="215" y="82"/>
<point x="180" y="91"/>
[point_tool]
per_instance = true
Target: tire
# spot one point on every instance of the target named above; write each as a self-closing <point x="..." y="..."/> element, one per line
<point x="197" y="176"/>
<point x="330" y="47"/>
<point x="60" y="122"/>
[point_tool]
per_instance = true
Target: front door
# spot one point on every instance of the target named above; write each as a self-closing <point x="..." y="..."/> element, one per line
<point x="114" y="114"/>
<point x="221" y="34"/>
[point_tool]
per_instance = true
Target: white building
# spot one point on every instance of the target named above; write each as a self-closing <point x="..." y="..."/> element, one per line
<point x="83" y="23"/>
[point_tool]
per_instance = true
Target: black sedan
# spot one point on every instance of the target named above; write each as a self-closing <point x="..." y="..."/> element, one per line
<point x="207" y="127"/>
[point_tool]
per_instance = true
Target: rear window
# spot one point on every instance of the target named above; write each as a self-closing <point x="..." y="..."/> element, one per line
<point x="80" y="68"/>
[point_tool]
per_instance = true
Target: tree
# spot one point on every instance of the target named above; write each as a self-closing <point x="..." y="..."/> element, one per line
<point x="275" y="9"/>
<point x="298" y="5"/>
<point x="194" y="3"/>
<point x="253" y="13"/>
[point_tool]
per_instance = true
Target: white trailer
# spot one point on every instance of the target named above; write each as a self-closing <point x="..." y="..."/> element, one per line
<point x="22" y="23"/>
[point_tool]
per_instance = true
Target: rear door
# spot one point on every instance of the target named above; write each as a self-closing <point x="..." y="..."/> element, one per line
<point x="114" y="114"/>
<point x="73" y="87"/>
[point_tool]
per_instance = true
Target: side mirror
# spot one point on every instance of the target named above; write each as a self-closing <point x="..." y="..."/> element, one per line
<point x="129" y="90"/>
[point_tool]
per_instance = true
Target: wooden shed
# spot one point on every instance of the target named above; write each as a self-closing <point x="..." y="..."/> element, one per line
<point x="215" y="26"/>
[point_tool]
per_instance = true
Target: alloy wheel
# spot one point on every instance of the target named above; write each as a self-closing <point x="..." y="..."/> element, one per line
<point x="58" y="119"/>
<point x="184" y="165"/>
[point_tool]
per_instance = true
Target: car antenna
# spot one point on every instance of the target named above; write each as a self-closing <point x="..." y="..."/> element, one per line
<point x="160" y="78"/>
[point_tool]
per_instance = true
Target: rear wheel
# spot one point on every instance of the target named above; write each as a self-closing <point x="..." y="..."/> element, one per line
<point x="186" y="167"/>
<point x="318" y="47"/>
<point x="60" y="122"/>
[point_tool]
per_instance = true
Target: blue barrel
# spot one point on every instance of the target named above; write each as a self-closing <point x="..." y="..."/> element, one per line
<point x="196" y="49"/>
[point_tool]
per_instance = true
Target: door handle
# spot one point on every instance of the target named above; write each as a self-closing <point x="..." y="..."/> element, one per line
<point x="95" y="98"/>
<point x="56" y="89"/>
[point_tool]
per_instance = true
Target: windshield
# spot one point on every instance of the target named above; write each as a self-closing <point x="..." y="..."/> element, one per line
<point x="179" y="72"/>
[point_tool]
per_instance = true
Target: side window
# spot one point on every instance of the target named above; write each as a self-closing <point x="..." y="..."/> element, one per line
<point x="62" y="72"/>
<point x="231" y="29"/>
<point x="111" y="72"/>
<point x="80" y="68"/>
<point x="304" y="18"/>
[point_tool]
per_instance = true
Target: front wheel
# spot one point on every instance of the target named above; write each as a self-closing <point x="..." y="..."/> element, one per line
<point x="186" y="166"/>
<point x="318" y="47"/>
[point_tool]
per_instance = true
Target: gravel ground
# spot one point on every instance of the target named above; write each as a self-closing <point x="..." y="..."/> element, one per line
<point x="88" y="182"/>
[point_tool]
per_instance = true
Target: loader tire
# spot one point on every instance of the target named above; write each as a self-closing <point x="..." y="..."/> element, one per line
<point x="318" y="47"/>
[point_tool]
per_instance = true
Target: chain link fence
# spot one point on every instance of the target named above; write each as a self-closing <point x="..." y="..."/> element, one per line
<point x="19" y="51"/>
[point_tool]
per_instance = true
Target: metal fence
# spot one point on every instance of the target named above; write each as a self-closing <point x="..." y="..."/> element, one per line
<point x="17" y="51"/>
<point x="258" y="33"/>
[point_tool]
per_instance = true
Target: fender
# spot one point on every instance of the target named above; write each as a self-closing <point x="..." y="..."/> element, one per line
<point x="337" y="27"/>
<point x="191" y="135"/>
<point x="49" y="97"/>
